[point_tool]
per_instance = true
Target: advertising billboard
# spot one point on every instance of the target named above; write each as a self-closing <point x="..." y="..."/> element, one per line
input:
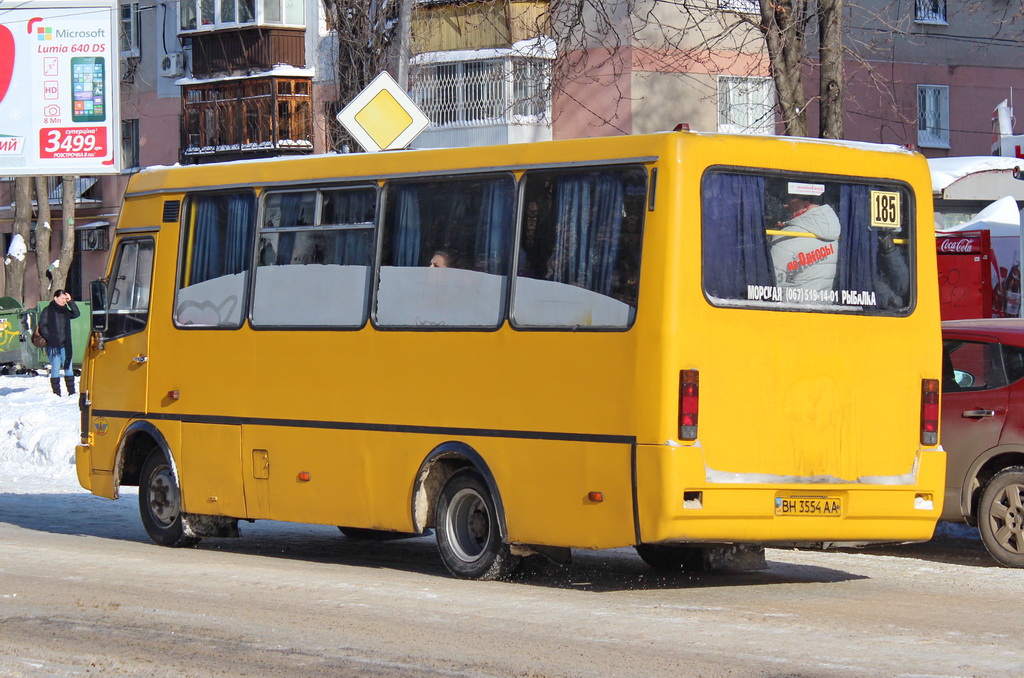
<point x="59" y="104"/>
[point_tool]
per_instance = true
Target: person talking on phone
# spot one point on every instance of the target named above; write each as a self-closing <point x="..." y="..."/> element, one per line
<point x="55" y="326"/>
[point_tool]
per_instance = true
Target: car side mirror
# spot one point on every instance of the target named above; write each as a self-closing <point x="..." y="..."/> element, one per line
<point x="963" y="379"/>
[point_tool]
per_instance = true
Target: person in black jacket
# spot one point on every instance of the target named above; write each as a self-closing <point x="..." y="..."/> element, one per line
<point x="55" y="326"/>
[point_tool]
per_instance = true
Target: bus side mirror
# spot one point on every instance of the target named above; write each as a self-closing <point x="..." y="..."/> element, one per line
<point x="98" y="291"/>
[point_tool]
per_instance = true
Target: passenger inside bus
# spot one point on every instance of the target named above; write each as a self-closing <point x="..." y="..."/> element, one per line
<point x="808" y="258"/>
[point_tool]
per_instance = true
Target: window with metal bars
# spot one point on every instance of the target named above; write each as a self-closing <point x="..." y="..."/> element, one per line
<point x="503" y="90"/>
<point x="930" y="11"/>
<point x="933" y="116"/>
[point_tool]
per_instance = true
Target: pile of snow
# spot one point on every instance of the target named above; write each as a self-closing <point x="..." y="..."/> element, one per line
<point x="38" y="434"/>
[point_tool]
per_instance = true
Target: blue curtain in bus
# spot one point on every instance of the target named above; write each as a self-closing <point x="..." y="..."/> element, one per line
<point x="589" y="224"/>
<point x="224" y="230"/>
<point x="353" y="246"/>
<point x="494" y="226"/>
<point x="858" y="244"/>
<point x="241" y="226"/>
<point x="206" y="250"/>
<point x="291" y="214"/>
<point x="735" y="247"/>
<point x="406" y="234"/>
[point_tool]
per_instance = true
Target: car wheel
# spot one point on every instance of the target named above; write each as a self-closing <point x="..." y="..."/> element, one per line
<point x="160" y="503"/>
<point x="1001" y="516"/>
<point x="468" y="538"/>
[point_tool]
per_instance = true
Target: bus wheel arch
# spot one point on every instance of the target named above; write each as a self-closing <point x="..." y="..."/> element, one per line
<point x="144" y="459"/>
<point x="456" y="494"/>
<point x="441" y="464"/>
<point x="137" y="442"/>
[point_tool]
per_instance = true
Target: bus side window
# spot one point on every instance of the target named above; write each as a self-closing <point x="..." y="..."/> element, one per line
<point x="216" y="251"/>
<point x="579" y="256"/>
<point x="308" y="253"/>
<point x="128" y="310"/>
<point x="445" y="254"/>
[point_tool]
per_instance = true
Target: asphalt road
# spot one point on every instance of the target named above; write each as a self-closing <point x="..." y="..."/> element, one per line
<point x="83" y="593"/>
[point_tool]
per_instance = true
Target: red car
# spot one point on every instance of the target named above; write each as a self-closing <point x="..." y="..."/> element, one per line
<point x="982" y="431"/>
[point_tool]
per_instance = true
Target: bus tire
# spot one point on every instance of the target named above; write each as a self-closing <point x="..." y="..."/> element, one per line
<point x="672" y="557"/>
<point x="468" y="537"/>
<point x="1001" y="516"/>
<point x="160" y="503"/>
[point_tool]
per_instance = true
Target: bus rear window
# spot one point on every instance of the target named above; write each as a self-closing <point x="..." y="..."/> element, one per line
<point x="804" y="242"/>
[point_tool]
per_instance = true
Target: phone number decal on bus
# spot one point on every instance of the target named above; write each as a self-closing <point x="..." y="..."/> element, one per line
<point x="808" y="506"/>
<point x="73" y="142"/>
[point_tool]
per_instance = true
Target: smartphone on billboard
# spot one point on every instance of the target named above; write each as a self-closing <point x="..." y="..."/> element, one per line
<point x="88" y="89"/>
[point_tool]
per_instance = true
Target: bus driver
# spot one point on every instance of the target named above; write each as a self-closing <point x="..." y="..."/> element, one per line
<point x="807" y="261"/>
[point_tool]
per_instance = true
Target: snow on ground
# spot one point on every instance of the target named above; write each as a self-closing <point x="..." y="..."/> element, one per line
<point x="38" y="434"/>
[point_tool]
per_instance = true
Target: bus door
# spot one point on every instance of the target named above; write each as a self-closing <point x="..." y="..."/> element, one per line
<point x="120" y="374"/>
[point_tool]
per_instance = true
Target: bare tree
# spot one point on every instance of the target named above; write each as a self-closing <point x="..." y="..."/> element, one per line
<point x="43" y="232"/>
<point x="67" y="243"/>
<point x="365" y="31"/>
<point x="15" y="263"/>
<point x="714" y="36"/>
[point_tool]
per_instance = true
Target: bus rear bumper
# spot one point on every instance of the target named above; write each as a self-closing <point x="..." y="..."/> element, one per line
<point x="676" y="503"/>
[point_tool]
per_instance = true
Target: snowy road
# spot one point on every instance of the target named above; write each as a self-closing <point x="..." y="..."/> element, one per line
<point x="83" y="592"/>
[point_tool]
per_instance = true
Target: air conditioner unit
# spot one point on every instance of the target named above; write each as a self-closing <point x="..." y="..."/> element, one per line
<point x="92" y="239"/>
<point x="172" y="65"/>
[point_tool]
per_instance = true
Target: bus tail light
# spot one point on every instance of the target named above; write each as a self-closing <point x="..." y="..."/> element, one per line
<point x="929" y="411"/>
<point x="689" y="393"/>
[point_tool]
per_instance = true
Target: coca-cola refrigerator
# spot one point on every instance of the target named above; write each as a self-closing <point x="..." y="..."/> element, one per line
<point x="979" y="275"/>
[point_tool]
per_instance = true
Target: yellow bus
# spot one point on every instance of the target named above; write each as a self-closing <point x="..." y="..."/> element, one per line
<point x="679" y="342"/>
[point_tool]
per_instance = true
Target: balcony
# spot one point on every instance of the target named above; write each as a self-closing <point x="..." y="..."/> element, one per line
<point x="253" y="117"/>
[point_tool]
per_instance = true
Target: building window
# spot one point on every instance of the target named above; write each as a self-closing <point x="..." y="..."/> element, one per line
<point x="129" y="37"/>
<point x="740" y="6"/>
<point x="745" y="105"/>
<point x="130" y="143"/>
<point x="200" y="15"/>
<point x="505" y="90"/>
<point x="930" y="12"/>
<point x="247" y="117"/>
<point x="933" y="116"/>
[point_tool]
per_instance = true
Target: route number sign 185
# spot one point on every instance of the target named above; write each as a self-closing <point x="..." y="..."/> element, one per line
<point x="885" y="209"/>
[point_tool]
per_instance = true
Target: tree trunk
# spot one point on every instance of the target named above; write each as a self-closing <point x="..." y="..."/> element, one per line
<point x="783" y="24"/>
<point x="830" y="53"/>
<point x="43" y="232"/>
<point x="14" y="264"/>
<point x="67" y="244"/>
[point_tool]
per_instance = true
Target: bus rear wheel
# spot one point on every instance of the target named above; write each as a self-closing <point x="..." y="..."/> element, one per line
<point x="1001" y="516"/>
<point x="468" y="538"/>
<point x="160" y="503"/>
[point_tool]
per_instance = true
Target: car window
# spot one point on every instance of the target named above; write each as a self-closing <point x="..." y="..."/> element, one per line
<point x="972" y="366"/>
<point x="1013" y="362"/>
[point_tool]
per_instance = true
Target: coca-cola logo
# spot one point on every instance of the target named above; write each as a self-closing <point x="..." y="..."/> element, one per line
<point x="958" y="245"/>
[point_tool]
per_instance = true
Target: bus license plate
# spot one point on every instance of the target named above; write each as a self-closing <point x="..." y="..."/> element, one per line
<point x="808" y="506"/>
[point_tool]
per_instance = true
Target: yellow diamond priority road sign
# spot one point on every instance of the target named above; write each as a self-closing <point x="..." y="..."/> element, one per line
<point x="382" y="117"/>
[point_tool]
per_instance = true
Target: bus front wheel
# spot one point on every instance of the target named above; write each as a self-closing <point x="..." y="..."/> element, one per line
<point x="160" y="503"/>
<point x="468" y="538"/>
